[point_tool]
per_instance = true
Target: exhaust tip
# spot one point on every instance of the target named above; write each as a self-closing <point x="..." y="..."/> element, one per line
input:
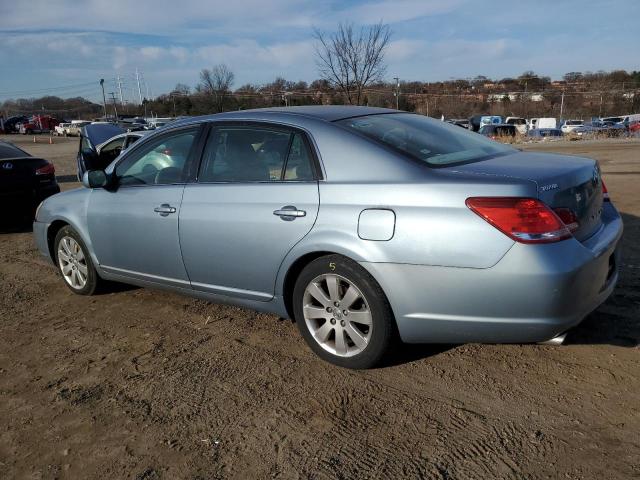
<point x="557" y="340"/>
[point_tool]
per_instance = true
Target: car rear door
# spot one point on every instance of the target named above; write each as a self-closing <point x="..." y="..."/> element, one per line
<point x="134" y="228"/>
<point x="255" y="197"/>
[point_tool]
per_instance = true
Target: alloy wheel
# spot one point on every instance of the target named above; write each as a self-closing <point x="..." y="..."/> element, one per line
<point x="72" y="262"/>
<point x="337" y="314"/>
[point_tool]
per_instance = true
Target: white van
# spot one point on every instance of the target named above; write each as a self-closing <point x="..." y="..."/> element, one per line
<point x="548" y="122"/>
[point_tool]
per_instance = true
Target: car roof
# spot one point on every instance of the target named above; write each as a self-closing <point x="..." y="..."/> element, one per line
<point x="328" y="113"/>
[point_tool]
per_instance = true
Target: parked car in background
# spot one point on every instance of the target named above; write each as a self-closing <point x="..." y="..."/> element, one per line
<point x="323" y="214"/>
<point x="24" y="182"/>
<point x="628" y="120"/>
<point x="634" y="127"/>
<point x="474" y="122"/>
<point x="612" y="120"/>
<point x="519" y="122"/>
<point x="532" y="123"/>
<point x="497" y="132"/>
<point x="547" y="122"/>
<point x="12" y="124"/>
<point x="460" y="122"/>
<point x="544" y="133"/>
<point x="38" y="124"/>
<point x="598" y="128"/>
<point x="91" y="137"/>
<point x="491" y="120"/>
<point x="569" y="126"/>
<point x="76" y="127"/>
<point x="61" y="129"/>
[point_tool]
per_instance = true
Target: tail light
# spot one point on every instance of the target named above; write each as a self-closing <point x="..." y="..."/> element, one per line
<point x="48" y="169"/>
<point x="525" y="220"/>
<point x="568" y="217"/>
<point x="605" y="192"/>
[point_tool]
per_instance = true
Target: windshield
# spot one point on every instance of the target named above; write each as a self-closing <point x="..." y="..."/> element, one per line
<point x="431" y="141"/>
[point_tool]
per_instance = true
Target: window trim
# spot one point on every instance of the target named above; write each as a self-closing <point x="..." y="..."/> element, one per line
<point x="194" y="154"/>
<point x="266" y="125"/>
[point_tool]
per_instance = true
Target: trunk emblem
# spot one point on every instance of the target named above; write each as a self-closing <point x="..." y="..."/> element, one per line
<point x="578" y="197"/>
<point x="546" y="188"/>
<point x="7" y="166"/>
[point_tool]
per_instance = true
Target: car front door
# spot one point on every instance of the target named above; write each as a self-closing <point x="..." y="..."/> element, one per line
<point x="255" y="197"/>
<point x="134" y="227"/>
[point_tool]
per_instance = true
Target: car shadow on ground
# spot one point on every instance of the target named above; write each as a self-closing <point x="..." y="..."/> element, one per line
<point x="67" y="178"/>
<point x="19" y="226"/>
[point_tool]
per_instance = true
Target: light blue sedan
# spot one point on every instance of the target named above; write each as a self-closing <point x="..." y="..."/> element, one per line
<point x="365" y="225"/>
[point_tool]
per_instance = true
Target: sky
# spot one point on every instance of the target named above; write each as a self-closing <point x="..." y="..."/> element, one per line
<point x="64" y="47"/>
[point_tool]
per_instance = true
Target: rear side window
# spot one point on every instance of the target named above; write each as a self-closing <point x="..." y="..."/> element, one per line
<point x="255" y="154"/>
<point x="431" y="141"/>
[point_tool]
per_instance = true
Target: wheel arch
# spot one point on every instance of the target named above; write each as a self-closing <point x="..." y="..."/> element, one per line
<point x="52" y="232"/>
<point x="292" y="274"/>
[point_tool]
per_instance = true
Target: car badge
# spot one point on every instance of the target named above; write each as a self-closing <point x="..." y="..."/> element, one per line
<point x="578" y="197"/>
<point x="7" y="166"/>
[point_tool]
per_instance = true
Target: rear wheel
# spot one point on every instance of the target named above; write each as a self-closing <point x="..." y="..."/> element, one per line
<point x="74" y="262"/>
<point x="342" y="312"/>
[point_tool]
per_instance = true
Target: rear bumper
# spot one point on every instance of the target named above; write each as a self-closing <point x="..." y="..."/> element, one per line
<point x="532" y="294"/>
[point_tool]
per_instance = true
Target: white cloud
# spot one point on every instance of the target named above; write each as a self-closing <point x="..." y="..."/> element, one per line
<point x="394" y="11"/>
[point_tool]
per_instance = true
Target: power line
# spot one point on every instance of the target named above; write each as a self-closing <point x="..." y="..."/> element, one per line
<point x="47" y="89"/>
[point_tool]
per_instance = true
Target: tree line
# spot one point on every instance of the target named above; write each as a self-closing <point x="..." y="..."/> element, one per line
<point x="352" y="70"/>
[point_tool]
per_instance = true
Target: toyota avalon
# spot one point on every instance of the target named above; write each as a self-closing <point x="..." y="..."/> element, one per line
<point x="365" y="225"/>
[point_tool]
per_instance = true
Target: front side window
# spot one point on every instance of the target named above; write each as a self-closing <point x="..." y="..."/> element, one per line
<point x="255" y="154"/>
<point x="161" y="161"/>
<point x="431" y="141"/>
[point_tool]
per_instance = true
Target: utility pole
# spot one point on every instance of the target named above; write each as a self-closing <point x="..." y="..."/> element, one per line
<point x="561" y="104"/>
<point x="104" y="98"/>
<point x="138" y="81"/>
<point x="397" y="92"/>
<point x="115" y="110"/>
<point x="119" y="81"/>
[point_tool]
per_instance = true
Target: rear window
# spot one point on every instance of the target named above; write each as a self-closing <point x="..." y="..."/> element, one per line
<point x="10" y="151"/>
<point x="431" y="141"/>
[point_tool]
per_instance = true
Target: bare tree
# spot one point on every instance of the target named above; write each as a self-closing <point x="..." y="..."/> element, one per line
<point x="216" y="82"/>
<point x="352" y="60"/>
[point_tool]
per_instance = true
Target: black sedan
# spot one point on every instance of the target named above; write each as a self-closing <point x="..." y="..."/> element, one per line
<point x="24" y="182"/>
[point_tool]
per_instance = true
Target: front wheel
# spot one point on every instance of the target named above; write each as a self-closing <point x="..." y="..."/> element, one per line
<point x="74" y="262"/>
<point x="342" y="312"/>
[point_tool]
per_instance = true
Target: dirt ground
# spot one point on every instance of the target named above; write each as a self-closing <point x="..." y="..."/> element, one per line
<point x="140" y="384"/>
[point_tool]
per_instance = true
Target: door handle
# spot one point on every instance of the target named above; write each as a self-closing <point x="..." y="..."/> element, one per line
<point x="289" y="213"/>
<point x="164" y="209"/>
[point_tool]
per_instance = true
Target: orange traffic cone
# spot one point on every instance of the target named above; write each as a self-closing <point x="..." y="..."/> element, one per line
<point x="34" y="139"/>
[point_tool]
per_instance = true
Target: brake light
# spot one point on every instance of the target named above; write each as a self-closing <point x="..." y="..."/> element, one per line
<point x="526" y="220"/>
<point x="568" y="217"/>
<point x="605" y="192"/>
<point x="48" y="169"/>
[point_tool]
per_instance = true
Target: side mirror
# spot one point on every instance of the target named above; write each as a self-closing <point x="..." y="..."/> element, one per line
<point x="94" y="179"/>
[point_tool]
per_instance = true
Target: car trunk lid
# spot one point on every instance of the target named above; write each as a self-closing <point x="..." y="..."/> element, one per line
<point x="563" y="182"/>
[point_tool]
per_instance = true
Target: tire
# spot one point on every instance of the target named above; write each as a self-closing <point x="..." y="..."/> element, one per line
<point x="81" y="276"/>
<point x="335" y="298"/>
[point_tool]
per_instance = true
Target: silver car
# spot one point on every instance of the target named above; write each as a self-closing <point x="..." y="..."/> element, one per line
<point x="365" y="225"/>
